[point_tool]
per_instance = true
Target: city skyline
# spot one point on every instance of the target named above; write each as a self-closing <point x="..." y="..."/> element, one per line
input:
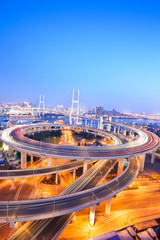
<point x="108" y="50"/>
<point x="79" y="119"/>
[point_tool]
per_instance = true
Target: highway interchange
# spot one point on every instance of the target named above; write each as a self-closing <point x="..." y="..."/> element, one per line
<point x="74" y="199"/>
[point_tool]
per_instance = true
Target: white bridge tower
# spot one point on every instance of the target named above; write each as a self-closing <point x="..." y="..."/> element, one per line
<point x="41" y="105"/>
<point x="74" y="107"/>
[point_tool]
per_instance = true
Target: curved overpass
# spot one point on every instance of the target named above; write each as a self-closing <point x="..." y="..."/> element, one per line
<point x="57" y="206"/>
<point x="145" y="142"/>
<point x="7" y="137"/>
<point x="39" y="171"/>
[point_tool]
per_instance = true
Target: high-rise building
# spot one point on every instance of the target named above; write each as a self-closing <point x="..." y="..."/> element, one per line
<point x="99" y="111"/>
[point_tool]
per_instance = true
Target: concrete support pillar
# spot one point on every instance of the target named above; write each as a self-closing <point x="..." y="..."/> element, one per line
<point x="125" y="131"/>
<point x="29" y="132"/>
<point x="74" y="173"/>
<point x="49" y="161"/>
<point x="114" y="129"/>
<point x="152" y="157"/>
<point x="12" y="224"/>
<point x="142" y="162"/>
<point x="120" y="166"/>
<point x="56" y="179"/>
<point x="23" y="160"/>
<point x="118" y="129"/>
<point x="85" y="166"/>
<point x="108" y="206"/>
<point x="49" y="128"/>
<point x="35" y="181"/>
<point x="92" y="215"/>
<point x="100" y="123"/>
<point x="10" y="151"/>
<point x="130" y="133"/>
<point x="108" y="127"/>
<point x="31" y="159"/>
<point x="38" y="130"/>
<point x="17" y="225"/>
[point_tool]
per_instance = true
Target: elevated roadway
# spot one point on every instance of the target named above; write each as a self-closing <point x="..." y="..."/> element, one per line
<point x="61" y="205"/>
<point x="51" y="228"/>
<point x="40" y="171"/>
<point x="8" y="138"/>
<point x="73" y="201"/>
<point x="144" y="143"/>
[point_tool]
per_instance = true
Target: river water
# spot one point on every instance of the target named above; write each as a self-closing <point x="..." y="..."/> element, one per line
<point x="127" y="121"/>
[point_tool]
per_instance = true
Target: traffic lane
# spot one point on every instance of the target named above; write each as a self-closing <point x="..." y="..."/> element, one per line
<point x="53" y="230"/>
<point x="18" y="136"/>
<point x="69" y="203"/>
<point x="86" y="152"/>
<point x="41" y="144"/>
<point x="101" y="174"/>
<point x="33" y="208"/>
<point x="55" y="227"/>
<point x="21" y="137"/>
<point x="58" y="223"/>
<point x="40" y="171"/>
<point x="29" y="229"/>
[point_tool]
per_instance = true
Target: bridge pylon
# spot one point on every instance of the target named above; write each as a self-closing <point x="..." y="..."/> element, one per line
<point x="74" y="107"/>
<point x="41" y="107"/>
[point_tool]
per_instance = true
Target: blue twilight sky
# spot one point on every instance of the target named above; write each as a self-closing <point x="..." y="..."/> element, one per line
<point x="108" y="49"/>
